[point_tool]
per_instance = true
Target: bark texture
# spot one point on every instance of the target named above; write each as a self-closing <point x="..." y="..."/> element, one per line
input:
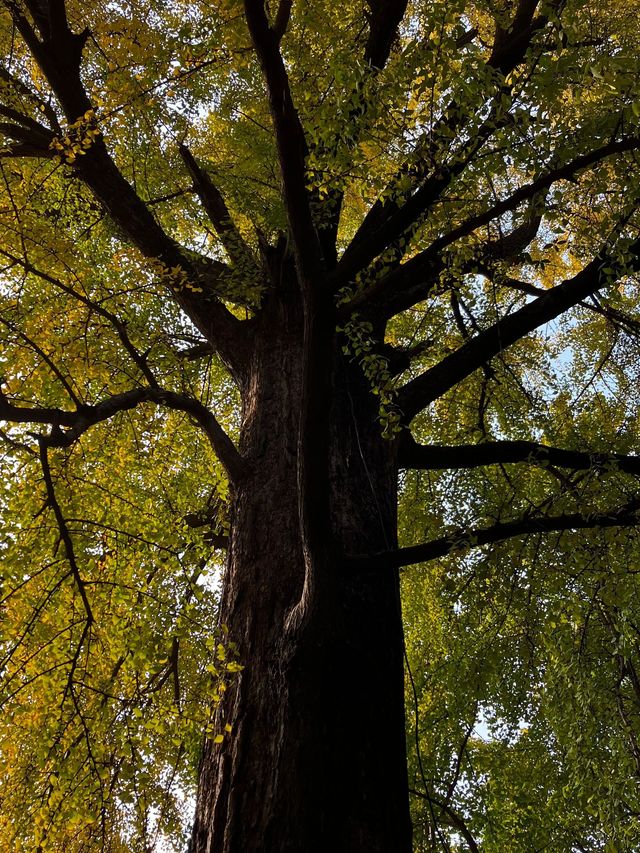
<point x="316" y="761"/>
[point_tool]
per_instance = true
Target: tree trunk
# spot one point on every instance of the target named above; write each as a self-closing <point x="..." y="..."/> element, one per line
<point x="316" y="759"/>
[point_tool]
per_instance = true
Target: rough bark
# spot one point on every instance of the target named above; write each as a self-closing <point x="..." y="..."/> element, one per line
<point x="316" y="761"/>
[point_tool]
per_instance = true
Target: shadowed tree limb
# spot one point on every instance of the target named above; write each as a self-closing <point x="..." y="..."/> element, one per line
<point x="33" y="140"/>
<point x="452" y="818"/>
<point x="511" y="44"/>
<point x="463" y="540"/>
<point x="410" y="283"/>
<point x="218" y="212"/>
<point x="68" y="426"/>
<point x="64" y="530"/>
<point x="24" y="92"/>
<point x="402" y="218"/>
<point x="511" y="245"/>
<point x="290" y="139"/>
<point x="44" y="133"/>
<point x="509" y="50"/>
<point x="436" y="381"/>
<point x="58" y="52"/>
<point x="399" y="359"/>
<point x="281" y="21"/>
<point x="435" y="457"/>
<point x="625" y="322"/>
<point x="384" y="19"/>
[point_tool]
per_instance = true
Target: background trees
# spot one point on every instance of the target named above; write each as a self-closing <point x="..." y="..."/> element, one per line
<point x="463" y="178"/>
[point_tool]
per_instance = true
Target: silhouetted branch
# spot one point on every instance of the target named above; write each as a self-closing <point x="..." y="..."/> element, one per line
<point x="452" y="818"/>
<point x="282" y="18"/>
<point x="463" y="540"/>
<point x="64" y="531"/>
<point x="436" y="381"/>
<point x="68" y="426"/>
<point x="58" y="52"/>
<point x="218" y="213"/>
<point x="509" y="51"/>
<point x="384" y="19"/>
<point x="437" y="457"/>
<point x="411" y="282"/>
<point x="290" y="140"/>
<point x="511" y="44"/>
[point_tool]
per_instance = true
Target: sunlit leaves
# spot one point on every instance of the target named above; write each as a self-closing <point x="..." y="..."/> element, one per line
<point x="524" y="696"/>
<point x="111" y="715"/>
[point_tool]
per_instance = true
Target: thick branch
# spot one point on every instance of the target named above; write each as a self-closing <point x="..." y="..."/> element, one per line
<point x="400" y="359"/>
<point x="625" y="516"/>
<point x="509" y="51"/>
<point x="510" y="45"/>
<point x="410" y="282"/>
<point x="511" y="245"/>
<point x="18" y="150"/>
<point x="384" y="19"/>
<point x="432" y="384"/>
<point x="33" y="138"/>
<point x="437" y="457"/>
<point x="282" y="18"/>
<point x="402" y="218"/>
<point x="218" y="212"/>
<point x="290" y="140"/>
<point x="624" y="322"/>
<point x="59" y="54"/>
<point x="68" y="426"/>
<point x="209" y="519"/>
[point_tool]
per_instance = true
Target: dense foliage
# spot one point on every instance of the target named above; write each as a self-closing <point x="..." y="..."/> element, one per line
<point x="481" y="161"/>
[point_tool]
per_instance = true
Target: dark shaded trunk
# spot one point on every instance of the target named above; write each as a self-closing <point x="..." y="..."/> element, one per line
<point x="316" y="759"/>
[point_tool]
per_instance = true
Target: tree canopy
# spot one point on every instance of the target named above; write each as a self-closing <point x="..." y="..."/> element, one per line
<point x="459" y="182"/>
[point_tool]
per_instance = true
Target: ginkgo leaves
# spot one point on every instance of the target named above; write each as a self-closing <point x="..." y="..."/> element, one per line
<point x="110" y="753"/>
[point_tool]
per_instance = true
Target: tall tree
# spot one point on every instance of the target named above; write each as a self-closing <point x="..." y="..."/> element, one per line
<point x="259" y="261"/>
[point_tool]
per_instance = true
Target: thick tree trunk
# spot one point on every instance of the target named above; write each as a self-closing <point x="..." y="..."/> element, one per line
<point x="316" y="758"/>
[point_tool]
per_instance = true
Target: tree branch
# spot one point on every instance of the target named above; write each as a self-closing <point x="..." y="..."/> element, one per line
<point x="399" y="359"/>
<point x="24" y="92"/>
<point x="384" y="19"/>
<point x="282" y="18"/>
<point x="64" y="530"/>
<point x="433" y="383"/>
<point x="137" y="357"/>
<point x="290" y="141"/>
<point x="625" y="516"/>
<point x="453" y="818"/>
<point x="209" y="519"/>
<point x="510" y="45"/>
<point x="401" y="219"/>
<point x="436" y="457"/>
<point x="504" y="58"/>
<point x="59" y="54"/>
<point x="410" y="282"/>
<point x="217" y="211"/>
<point x="33" y="137"/>
<point x="68" y="426"/>
<point x="511" y="245"/>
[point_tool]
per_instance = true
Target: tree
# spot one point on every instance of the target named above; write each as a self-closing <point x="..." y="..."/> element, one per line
<point x="258" y="262"/>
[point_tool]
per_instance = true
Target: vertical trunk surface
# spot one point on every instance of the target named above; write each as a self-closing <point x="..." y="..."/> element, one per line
<point x="316" y="760"/>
